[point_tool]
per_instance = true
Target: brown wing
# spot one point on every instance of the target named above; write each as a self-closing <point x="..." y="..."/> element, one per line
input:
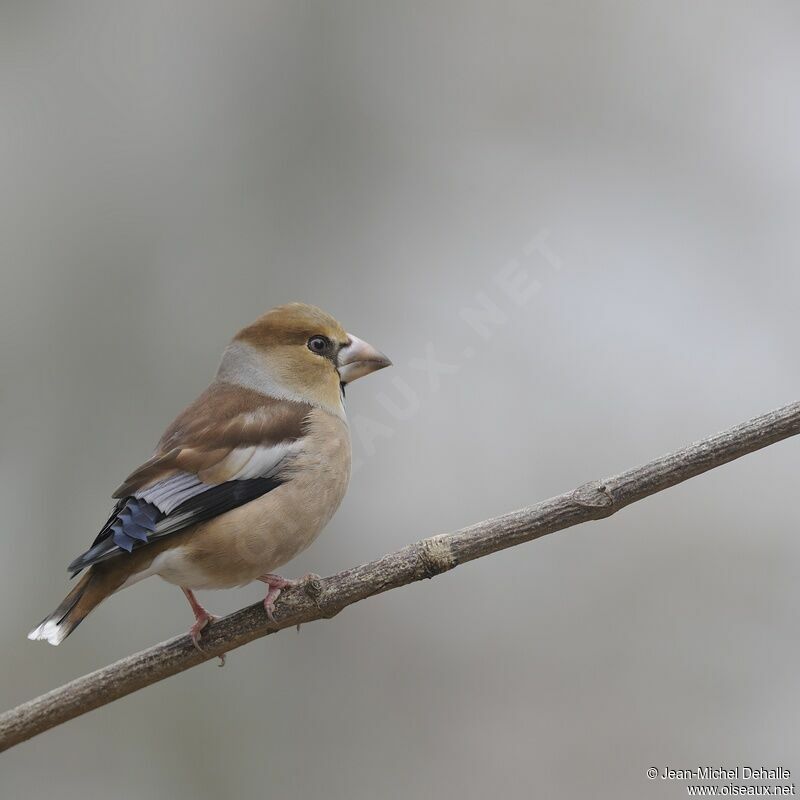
<point x="214" y="429"/>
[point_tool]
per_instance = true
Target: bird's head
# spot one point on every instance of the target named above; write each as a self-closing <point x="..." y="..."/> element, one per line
<point x="299" y="351"/>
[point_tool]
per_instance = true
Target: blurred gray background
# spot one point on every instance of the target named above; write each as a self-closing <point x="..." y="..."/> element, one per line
<point x="171" y="170"/>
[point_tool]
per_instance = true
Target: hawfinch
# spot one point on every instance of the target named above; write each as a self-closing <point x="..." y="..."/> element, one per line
<point x="243" y="480"/>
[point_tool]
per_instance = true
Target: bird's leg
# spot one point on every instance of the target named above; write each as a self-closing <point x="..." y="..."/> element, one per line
<point x="276" y="584"/>
<point x="201" y="617"/>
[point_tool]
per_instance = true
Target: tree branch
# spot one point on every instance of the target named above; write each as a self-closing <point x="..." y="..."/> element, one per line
<point x="323" y="597"/>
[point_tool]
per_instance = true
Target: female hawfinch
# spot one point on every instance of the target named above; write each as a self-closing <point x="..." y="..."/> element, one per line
<point x="243" y="480"/>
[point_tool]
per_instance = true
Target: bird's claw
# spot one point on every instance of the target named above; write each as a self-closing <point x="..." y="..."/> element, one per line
<point x="276" y="585"/>
<point x="196" y="631"/>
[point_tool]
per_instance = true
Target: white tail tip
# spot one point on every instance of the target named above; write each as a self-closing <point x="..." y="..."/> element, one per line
<point x="49" y="631"/>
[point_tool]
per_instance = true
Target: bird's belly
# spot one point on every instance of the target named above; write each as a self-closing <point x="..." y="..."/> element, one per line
<point x="239" y="546"/>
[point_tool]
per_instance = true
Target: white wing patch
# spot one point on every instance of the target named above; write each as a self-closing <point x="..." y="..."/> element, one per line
<point x="264" y="462"/>
<point x="169" y="493"/>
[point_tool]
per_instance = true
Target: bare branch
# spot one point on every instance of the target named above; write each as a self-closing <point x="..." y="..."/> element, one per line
<point x="324" y="597"/>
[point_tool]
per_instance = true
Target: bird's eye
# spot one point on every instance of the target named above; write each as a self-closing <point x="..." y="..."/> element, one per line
<point x="319" y="345"/>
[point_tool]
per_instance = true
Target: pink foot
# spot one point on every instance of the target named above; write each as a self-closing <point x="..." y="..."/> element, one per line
<point x="201" y="616"/>
<point x="276" y="585"/>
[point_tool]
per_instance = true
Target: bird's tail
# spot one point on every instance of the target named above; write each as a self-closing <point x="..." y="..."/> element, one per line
<point x="88" y="592"/>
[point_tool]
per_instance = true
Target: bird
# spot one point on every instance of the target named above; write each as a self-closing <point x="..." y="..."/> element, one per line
<point x="243" y="480"/>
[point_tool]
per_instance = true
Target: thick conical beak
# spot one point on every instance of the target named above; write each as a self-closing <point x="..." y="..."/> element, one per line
<point x="358" y="358"/>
